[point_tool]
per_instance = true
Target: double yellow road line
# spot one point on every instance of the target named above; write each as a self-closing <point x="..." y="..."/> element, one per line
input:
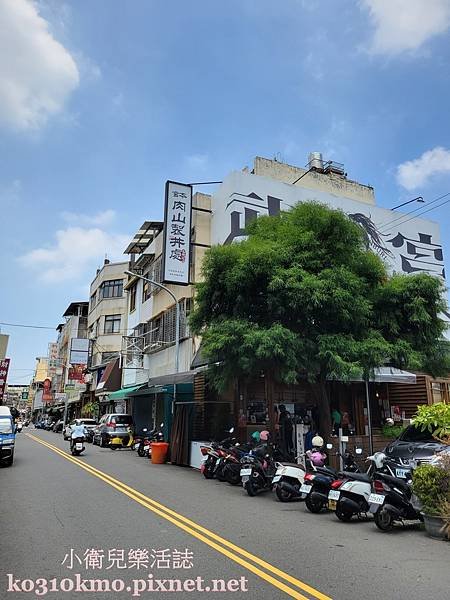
<point x="271" y="574"/>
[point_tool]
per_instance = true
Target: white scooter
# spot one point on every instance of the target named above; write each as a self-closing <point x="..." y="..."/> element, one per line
<point x="349" y="495"/>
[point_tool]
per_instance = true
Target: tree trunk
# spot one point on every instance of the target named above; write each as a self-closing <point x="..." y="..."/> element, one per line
<point x="323" y="406"/>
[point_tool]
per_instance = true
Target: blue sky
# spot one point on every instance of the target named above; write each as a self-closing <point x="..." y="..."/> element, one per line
<point x="101" y="102"/>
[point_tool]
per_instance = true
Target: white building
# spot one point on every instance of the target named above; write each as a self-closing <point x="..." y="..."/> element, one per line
<point x="149" y="382"/>
<point x="107" y="323"/>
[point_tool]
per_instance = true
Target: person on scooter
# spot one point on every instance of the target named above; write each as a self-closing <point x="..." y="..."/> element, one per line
<point x="78" y="431"/>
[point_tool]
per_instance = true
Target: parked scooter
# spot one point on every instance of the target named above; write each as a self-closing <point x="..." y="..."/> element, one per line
<point x="392" y="500"/>
<point x="143" y="445"/>
<point x="289" y="478"/>
<point x="214" y="455"/>
<point x="319" y="484"/>
<point x="258" y="468"/>
<point x="350" y="493"/>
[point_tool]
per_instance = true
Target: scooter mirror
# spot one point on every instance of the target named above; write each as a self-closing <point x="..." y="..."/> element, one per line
<point x="231" y="430"/>
<point x="358" y="450"/>
<point x="145" y="429"/>
<point x="162" y="425"/>
<point x="329" y="446"/>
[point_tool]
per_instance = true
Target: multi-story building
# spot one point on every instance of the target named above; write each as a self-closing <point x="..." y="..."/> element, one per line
<point x="107" y="322"/>
<point x="150" y="382"/>
<point x="17" y="396"/>
<point x="36" y="391"/>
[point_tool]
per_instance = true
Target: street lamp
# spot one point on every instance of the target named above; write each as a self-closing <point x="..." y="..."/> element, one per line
<point x="177" y="323"/>
<point x="418" y="199"/>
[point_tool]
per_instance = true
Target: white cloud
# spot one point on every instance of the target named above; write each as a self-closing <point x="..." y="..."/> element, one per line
<point x="405" y="25"/>
<point x="101" y="219"/>
<point x="77" y="251"/>
<point x="415" y="173"/>
<point x="37" y="74"/>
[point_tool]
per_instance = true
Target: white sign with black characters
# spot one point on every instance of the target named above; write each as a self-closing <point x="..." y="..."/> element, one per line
<point x="406" y="244"/>
<point x="177" y="233"/>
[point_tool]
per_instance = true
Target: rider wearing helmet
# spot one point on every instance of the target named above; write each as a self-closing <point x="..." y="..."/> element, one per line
<point x="78" y="430"/>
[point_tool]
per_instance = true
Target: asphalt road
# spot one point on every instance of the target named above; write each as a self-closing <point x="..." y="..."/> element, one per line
<point x="106" y="516"/>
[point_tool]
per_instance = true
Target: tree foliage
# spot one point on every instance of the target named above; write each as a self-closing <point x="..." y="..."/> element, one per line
<point x="303" y="297"/>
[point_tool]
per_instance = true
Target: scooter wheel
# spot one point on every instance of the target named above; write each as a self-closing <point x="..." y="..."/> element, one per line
<point x="314" y="506"/>
<point x="208" y="474"/>
<point x="250" y="488"/>
<point x="113" y="447"/>
<point x="343" y="515"/>
<point x="141" y="453"/>
<point x="384" y="520"/>
<point x="283" y="495"/>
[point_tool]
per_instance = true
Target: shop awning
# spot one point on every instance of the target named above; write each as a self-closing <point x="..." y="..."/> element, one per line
<point x="110" y="381"/>
<point x="390" y="375"/>
<point x="126" y="392"/>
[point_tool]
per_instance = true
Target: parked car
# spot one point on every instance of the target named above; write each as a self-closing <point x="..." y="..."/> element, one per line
<point x="412" y="446"/>
<point x="112" y="426"/>
<point x="58" y="426"/>
<point x="90" y="424"/>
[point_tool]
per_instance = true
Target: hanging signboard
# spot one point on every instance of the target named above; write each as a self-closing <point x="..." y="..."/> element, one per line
<point x="4" y="368"/>
<point x="177" y="233"/>
<point x="79" y="348"/>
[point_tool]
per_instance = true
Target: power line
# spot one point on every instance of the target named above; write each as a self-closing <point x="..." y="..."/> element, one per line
<point x="420" y="211"/>
<point x="27" y="326"/>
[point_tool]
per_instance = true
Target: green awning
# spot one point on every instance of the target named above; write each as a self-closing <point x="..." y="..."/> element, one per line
<point x="125" y="392"/>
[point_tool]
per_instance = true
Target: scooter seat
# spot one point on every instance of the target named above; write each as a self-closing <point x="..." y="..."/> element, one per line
<point x="395" y="481"/>
<point x="364" y="477"/>
<point x="327" y="470"/>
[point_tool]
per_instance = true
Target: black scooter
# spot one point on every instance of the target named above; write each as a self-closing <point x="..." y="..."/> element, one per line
<point x="321" y="480"/>
<point x="77" y="446"/>
<point x="391" y="500"/>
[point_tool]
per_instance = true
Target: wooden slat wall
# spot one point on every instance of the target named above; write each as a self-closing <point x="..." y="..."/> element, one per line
<point x="408" y="397"/>
<point x="199" y="399"/>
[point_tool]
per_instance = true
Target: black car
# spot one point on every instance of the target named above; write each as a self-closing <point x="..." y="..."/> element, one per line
<point x="412" y="445"/>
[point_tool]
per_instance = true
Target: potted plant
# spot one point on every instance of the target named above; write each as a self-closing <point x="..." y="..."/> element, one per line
<point x="431" y="484"/>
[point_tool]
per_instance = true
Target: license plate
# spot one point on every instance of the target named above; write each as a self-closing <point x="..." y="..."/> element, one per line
<point x="402" y="473"/>
<point x="78" y="446"/>
<point x="333" y="495"/>
<point x="276" y="478"/>
<point x="305" y="489"/>
<point x="332" y="504"/>
<point x="376" y="499"/>
<point x="246" y="472"/>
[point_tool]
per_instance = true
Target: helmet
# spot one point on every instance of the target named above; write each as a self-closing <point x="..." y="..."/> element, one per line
<point x="317" y="459"/>
<point x="256" y="436"/>
<point x="78" y="422"/>
<point x="389" y="421"/>
<point x="264" y="436"/>
<point x="317" y="441"/>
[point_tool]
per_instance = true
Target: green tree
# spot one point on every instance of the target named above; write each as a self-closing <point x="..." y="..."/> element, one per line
<point x="303" y="297"/>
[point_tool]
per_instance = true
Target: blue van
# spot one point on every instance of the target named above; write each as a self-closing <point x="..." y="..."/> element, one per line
<point x="7" y="436"/>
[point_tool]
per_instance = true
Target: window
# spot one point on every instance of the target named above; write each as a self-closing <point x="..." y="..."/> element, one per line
<point x="161" y="330"/>
<point x="112" y="324"/>
<point x="111" y="289"/>
<point x="133" y="297"/>
<point x="155" y="274"/>
<point x="93" y="300"/>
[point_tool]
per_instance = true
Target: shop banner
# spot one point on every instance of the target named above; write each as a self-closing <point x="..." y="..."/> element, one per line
<point x="177" y="233"/>
<point x="4" y="368"/>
